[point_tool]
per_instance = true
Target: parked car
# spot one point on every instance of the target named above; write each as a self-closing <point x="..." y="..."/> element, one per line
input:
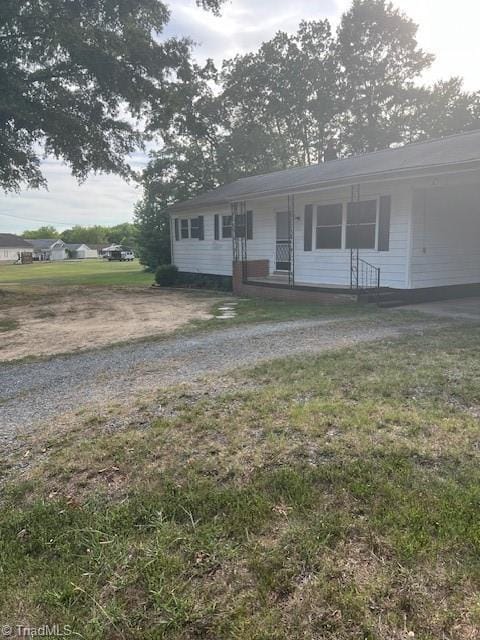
<point x="121" y="255"/>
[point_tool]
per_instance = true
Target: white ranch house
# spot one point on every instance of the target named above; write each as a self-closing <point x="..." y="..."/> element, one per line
<point x="12" y="247"/>
<point x="397" y="220"/>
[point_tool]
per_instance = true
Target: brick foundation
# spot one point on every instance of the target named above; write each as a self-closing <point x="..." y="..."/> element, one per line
<point x="260" y="269"/>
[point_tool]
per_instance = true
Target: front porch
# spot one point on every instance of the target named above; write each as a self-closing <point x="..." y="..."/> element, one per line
<point x="282" y="280"/>
<point x="252" y="278"/>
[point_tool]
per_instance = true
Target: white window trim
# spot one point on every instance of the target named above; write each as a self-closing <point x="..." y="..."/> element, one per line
<point x="180" y="238"/>
<point x="190" y="228"/>
<point x="222" y="237"/>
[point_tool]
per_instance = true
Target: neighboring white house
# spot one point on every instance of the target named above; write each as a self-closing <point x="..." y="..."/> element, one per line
<point x="48" y="249"/>
<point x="404" y="218"/>
<point x="80" y="251"/>
<point x="54" y="249"/>
<point x="12" y="247"/>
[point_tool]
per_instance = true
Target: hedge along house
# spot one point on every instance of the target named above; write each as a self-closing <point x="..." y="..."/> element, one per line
<point x="404" y="222"/>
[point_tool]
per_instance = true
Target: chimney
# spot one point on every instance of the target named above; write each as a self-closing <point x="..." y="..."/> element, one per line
<point x="330" y="152"/>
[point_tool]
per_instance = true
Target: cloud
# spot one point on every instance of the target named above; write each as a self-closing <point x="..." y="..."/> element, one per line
<point x="243" y="24"/>
<point x="102" y="199"/>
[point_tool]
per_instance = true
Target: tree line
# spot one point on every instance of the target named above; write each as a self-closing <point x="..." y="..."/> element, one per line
<point x="125" y="234"/>
<point x="299" y="99"/>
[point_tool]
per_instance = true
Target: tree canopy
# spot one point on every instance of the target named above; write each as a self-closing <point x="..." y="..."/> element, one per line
<point x="84" y="81"/>
<point x="124" y="233"/>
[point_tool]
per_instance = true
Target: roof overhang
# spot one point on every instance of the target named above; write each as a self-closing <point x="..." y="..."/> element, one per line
<point x="322" y="185"/>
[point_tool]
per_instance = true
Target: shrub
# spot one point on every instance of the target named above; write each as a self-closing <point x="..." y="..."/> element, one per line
<point x="166" y="275"/>
<point x="205" y="281"/>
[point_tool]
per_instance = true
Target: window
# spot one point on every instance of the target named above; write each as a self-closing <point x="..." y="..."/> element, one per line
<point x="329" y="226"/>
<point x="184" y="228"/>
<point x="240" y="225"/>
<point x="226" y="226"/>
<point x="361" y="224"/>
<point x="194" y="228"/>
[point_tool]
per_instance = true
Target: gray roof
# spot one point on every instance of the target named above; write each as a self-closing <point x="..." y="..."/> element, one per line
<point x="459" y="150"/>
<point x="10" y="240"/>
<point x="73" y="247"/>
<point x="42" y="243"/>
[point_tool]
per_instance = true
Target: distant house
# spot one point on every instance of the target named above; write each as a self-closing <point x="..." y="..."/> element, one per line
<point x="12" y="247"/>
<point x="48" y="249"/>
<point x="80" y="251"/>
<point x="405" y="220"/>
<point x="99" y="248"/>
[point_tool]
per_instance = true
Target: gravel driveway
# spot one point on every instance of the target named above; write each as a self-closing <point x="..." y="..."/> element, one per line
<point x="34" y="392"/>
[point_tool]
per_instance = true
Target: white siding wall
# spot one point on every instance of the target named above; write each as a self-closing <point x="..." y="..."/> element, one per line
<point x="203" y="256"/>
<point x="322" y="266"/>
<point x="446" y="235"/>
<point x="83" y="253"/>
<point x="9" y="255"/>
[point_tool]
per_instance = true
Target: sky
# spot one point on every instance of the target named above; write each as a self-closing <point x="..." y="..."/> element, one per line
<point x="450" y="31"/>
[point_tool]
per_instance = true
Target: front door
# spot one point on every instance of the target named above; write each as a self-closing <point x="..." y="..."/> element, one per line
<point x="282" y="258"/>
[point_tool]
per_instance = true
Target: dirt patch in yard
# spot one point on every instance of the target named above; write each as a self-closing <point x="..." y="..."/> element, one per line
<point x="56" y="321"/>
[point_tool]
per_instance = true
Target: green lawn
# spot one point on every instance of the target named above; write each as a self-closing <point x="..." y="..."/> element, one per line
<point x="85" y="272"/>
<point x="333" y="497"/>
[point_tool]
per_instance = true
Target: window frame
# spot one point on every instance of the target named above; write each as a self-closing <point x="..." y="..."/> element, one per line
<point x="375" y="199"/>
<point x="316" y="226"/>
<point x="345" y="203"/>
<point x="197" y="229"/>
<point x="182" y="220"/>
<point x="222" y="226"/>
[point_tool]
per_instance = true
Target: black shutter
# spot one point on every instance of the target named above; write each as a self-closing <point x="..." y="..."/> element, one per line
<point x="307" y="229"/>
<point x="216" y="226"/>
<point x="249" y="225"/>
<point x="384" y="223"/>
<point x="177" y="234"/>
<point x="201" y="228"/>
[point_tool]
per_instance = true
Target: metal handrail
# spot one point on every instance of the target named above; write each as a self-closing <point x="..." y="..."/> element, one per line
<point x="363" y="275"/>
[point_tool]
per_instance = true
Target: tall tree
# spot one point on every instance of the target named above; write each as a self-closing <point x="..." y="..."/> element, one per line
<point x="80" y="79"/>
<point x="380" y="60"/>
<point x="153" y="234"/>
<point x="194" y="157"/>
<point x="282" y="99"/>
<point x="444" y="109"/>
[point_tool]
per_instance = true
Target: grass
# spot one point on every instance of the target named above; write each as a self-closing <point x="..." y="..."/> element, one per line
<point x="331" y="497"/>
<point x="86" y="272"/>
<point x="8" y="324"/>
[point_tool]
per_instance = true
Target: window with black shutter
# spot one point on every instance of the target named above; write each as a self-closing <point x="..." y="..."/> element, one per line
<point x="195" y="228"/>
<point x="240" y="225"/>
<point x="184" y="228"/>
<point x="329" y="226"/>
<point x="177" y="232"/>
<point x="361" y="224"/>
<point x="216" y="226"/>
<point x="226" y="226"/>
